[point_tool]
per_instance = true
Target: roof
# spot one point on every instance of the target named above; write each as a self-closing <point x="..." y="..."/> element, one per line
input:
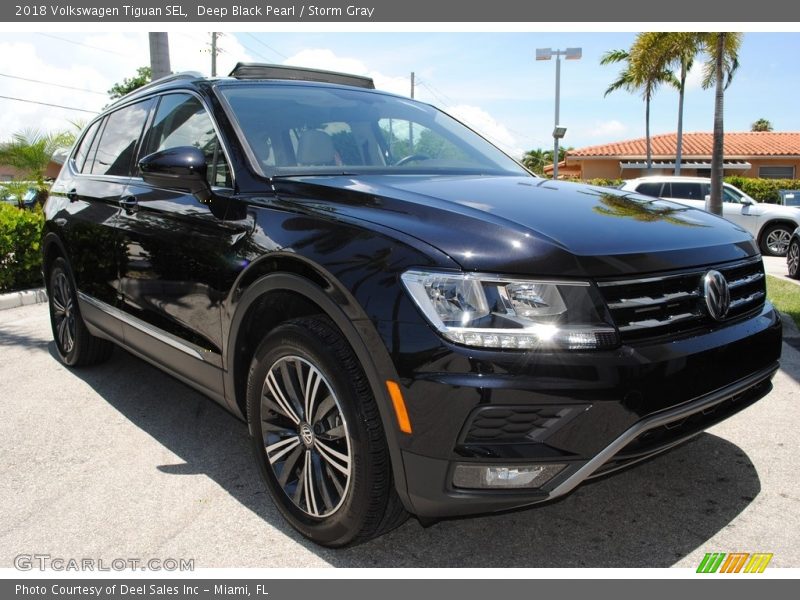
<point x="743" y="144"/>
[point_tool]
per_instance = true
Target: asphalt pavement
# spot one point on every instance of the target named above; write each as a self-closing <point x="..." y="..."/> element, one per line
<point x="122" y="461"/>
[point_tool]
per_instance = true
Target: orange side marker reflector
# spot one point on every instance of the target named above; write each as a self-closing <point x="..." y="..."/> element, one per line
<point x="399" y="406"/>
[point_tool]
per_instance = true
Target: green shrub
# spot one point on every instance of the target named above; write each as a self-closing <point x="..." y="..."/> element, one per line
<point x="763" y="190"/>
<point x="20" y="255"/>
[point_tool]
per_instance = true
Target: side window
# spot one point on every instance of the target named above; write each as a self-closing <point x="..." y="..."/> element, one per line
<point x="82" y="150"/>
<point x="118" y="141"/>
<point x="731" y="195"/>
<point x="687" y="190"/>
<point x="649" y="189"/>
<point x="181" y="120"/>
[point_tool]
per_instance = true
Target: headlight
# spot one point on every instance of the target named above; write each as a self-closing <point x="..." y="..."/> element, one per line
<point x="498" y="312"/>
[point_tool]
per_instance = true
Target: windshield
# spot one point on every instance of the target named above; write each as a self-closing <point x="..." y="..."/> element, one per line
<point x="302" y="129"/>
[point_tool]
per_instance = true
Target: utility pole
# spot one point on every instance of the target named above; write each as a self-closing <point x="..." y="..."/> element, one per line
<point x="159" y="55"/>
<point x="410" y="124"/>
<point x="213" y="53"/>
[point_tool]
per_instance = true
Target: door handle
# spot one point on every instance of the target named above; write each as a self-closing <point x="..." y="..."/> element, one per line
<point x="129" y="203"/>
<point x="72" y="195"/>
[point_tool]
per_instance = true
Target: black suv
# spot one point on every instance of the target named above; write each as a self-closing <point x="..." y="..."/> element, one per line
<point x="409" y="321"/>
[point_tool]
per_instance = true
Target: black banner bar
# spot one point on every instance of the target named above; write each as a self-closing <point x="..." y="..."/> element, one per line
<point x="456" y="11"/>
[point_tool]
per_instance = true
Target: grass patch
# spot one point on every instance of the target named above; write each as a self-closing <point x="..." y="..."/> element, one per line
<point x="785" y="296"/>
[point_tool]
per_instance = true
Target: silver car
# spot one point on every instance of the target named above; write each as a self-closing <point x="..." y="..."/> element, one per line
<point x="770" y="224"/>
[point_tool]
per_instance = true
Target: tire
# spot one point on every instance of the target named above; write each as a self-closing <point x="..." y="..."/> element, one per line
<point x="75" y="345"/>
<point x="775" y="240"/>
<point x="352" y="497"/>
<point x="793" y="260"/>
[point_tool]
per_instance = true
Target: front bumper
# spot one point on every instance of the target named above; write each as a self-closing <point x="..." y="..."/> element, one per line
<point x="618" y="407"/>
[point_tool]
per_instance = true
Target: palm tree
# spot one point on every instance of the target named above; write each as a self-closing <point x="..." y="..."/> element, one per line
<point x="761" y="125"/>
<point x="671" y="50"/>
<point x="722" y="50"/>
<point x="643" y="75"/>
<point x="31" y="151"/>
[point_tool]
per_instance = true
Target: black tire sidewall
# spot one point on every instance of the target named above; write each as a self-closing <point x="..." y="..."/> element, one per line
<point x="295" y="340"/>
<point x="71" y="357"/>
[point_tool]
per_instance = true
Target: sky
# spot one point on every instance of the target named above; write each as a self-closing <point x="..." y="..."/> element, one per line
<point x="488" y="80"/>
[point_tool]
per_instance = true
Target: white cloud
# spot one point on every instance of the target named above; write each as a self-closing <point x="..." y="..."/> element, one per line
<point x="694" y="78"/>
<point x="605" y="129"/>
<point x="489" y="127"/>
<point x="96" y="61"/>
<point x="323" y="58"/>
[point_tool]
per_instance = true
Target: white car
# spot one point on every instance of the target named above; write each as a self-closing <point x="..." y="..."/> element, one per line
<point x="770" y="224"/>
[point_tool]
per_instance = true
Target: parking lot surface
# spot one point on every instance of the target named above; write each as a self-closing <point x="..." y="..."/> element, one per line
<point x="122" y="461"/>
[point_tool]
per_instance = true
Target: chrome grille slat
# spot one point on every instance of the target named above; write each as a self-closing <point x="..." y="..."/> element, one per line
<point x="657" y="306"/>
<point x="649" y="301"/>
<point x="745" y="280"/>
<point x="751" y="298"/>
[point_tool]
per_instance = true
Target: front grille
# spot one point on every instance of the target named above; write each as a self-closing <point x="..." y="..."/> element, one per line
<point x="672" y="304"/>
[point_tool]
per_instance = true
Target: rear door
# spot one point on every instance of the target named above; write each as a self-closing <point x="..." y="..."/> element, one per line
<point x="93" y="182"/>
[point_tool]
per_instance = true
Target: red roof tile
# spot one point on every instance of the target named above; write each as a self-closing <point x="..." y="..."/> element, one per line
<point x="737" y="144"/>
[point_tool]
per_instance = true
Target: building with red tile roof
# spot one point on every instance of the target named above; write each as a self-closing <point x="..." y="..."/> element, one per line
<point x="773" y="154"/>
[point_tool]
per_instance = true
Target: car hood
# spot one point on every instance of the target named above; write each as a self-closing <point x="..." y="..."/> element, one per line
<point x="529" y="225"/>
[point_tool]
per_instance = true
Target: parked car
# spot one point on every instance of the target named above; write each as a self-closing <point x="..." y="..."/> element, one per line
<point x="770" y="224"/>
<point x="793" y="255"/>
<point x="790" y="197"/>
<point x="407" y="319"/>
<point x="10" y="196"/>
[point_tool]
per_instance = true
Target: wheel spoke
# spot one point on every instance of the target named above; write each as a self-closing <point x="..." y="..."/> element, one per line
<point x="321" y="481"/>
<point x="311" y="500"/>
<point x="291" y="388"/>
<point x="289" y="466"/>
<point x="58" y="306"/>
<point x="336" y="459"/>
<point x="278" y="449"/>
<point x="324" y="407"/>
<point x="277" y="395"/>
<point x="310" y="391"/>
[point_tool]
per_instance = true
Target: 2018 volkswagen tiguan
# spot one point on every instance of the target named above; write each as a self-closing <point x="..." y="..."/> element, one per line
<point x="408" y="320"/>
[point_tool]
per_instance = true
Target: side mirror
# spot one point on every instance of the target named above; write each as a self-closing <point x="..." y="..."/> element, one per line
<point x="181" y="168"/>
<point x="708" y="197"/>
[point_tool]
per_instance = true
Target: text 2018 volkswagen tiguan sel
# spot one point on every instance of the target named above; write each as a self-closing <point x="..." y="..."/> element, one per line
<point x="408" y="320"/>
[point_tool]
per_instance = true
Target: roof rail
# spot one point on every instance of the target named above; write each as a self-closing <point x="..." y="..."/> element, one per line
<point x="162" y="80"/>
<point x="268" y="71"/>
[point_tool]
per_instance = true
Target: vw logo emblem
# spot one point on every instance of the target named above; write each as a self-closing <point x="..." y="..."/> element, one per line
<point x="717" y="295"/>
<point x="306" y="434"/>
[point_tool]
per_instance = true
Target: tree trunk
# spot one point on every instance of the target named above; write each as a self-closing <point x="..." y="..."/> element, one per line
<point x="679" y="144"/>
<point x="647" y="135"/>
<point x="714" y="204"/>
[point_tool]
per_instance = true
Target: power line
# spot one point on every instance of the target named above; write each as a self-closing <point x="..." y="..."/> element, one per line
<point x="55" y="37"/>
<point x="266" y="45"/>
<point x="66" y="87"/>
<point x="248" y="48"/>
<point x="94" y="112"/>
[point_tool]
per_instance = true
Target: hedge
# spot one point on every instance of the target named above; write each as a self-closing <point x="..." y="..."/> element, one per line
<point x="763" y="190"/>
<point x="20" y="239"/>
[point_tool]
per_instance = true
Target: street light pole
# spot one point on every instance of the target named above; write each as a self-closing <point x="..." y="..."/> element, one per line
<point x="555" y="124"/>
<point x="558" y="130"/>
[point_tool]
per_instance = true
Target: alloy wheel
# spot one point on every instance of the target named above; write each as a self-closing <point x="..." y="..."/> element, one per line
<point x="305" y="436"/>
<point x="63" y="311"/>
<point x="778" y="241"/>
<point x="793" y="259"/>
